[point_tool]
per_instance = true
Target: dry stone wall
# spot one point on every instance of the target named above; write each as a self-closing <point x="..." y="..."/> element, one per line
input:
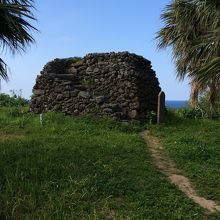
<point x="121" y="85"/>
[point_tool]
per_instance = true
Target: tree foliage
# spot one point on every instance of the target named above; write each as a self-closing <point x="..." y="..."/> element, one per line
<point x="191" y="28"/>
<point x="15" y="28"/>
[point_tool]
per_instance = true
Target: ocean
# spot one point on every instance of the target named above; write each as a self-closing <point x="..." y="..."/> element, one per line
<point x="176" y="103"/>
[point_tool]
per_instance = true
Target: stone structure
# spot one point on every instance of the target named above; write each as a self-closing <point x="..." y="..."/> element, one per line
<point x="161" y="107"/>
<point x="121" y="85"/>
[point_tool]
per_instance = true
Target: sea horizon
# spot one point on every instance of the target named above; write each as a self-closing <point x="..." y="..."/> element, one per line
<point x="176" y="103"/>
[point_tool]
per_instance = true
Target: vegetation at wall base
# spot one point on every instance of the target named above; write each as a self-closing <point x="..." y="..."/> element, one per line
<point x="12" y="101"/>
<point x="86" y="168"/>
<point x="81" y="168"/>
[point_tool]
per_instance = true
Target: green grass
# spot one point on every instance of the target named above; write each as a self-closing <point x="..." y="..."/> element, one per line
<point x="81" y="168"/>
<point x="195" y="147"/>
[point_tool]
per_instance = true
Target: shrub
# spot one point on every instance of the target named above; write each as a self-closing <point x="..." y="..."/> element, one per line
<point x="75" y="59"/>
<point x="204" y="105"/>
<point x="151" y="117"/>
<point x="12" y="101"/>
<point x="202" y="110"/>
<point x="191" y="113"/>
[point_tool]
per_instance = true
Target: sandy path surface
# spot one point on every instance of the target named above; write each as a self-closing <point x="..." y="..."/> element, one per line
<point x="168" y="167"/>
<point x="11" y="136"/>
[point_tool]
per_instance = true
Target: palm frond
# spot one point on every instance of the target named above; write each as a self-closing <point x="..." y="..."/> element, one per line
<point x="15" y="27"/>
<point x="208" y="71"/>
<point x="3" y="70"/>
<point x="192" y="29"/>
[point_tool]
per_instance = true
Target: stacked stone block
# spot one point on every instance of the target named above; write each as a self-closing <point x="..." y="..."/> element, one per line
<point x="120" y="85"/>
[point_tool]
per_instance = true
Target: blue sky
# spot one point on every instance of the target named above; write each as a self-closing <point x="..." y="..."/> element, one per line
<point x="76" y="27"/>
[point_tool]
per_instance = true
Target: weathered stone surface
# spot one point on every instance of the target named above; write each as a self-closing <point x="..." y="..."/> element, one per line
<point x="96" y="70"/>
<point x="161" y="108"/>
<point x="88" y="69"/>
<point x="59" y="97"/>
<point x="121" y="85"/>
<point x="72" y="70"/>
<point x="99" y="99"/>
<point x="107" y="110"/>
<point x="38" y="92"/>
<point x="77" y="64"/>
<point x="84" y="94"/>
<point x="71" y="77"/>
<point x="56" y="107"/>
<point x="133" y="114"/>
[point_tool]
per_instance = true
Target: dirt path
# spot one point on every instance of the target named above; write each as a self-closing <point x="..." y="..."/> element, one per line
<point x="167" y="166"/>
<point x="11" y="136"/>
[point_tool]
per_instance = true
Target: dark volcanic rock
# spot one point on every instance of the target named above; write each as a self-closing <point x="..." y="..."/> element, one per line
<point x="121" y="85"/>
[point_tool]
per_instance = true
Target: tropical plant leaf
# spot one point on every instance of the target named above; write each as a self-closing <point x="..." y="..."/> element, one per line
<point x="192" y="29"/>
<point x="15" y="27"/>
<point x="3" y="70"/>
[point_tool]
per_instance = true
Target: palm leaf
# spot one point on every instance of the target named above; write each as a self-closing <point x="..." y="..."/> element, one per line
<point x="3" y="70"/>
<point x="208" y="71"/>
<point x="15" y="27"/>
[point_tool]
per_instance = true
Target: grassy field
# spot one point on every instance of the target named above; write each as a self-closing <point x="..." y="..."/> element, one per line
<point x="82" y="168"/>
<point x="195" y="146"/>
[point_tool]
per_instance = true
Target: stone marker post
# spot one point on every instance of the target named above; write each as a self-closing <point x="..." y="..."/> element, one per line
<point x="161" y="108"/>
